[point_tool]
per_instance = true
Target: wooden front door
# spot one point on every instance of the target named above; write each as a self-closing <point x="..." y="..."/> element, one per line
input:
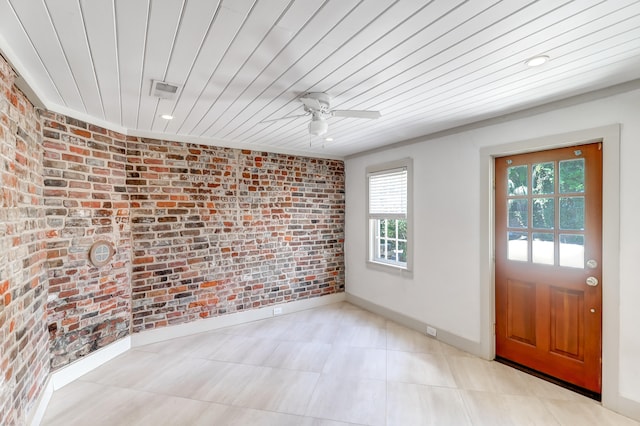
<point x="548" y="262"/>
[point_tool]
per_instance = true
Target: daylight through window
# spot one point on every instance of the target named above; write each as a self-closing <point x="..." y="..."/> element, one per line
<point x="388" y="216"/>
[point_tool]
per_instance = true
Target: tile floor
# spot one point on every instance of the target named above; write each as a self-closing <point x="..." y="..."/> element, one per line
<point x="328" y="366"/>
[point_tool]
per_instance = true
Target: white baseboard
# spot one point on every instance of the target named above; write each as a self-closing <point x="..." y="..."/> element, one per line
<point x="78" y="368"/>
<point x="443" y="335"/>
<point x="214" y="323"/>
<point x="86" y="364"/>
<point x="73" y="371"/>
<point x="617" y="403"/>
<point x="620" y="404"/>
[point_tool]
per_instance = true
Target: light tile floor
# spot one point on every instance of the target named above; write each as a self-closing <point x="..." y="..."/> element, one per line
<point x="328" y="366"/>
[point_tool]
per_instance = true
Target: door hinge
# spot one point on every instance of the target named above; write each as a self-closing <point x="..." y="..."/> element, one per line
<point x="494" y="328"/>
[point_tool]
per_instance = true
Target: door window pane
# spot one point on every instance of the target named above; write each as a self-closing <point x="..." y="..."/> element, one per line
<point x="572" y="175"/>
<point x="518" y="213"/>
<point x="572" y="250"/>
<point x="542" y="178"/>
<point x="543" y="213"/>
<point x="572" y="213"/>
<point x="517" y="184"/>
<point x="542" y="248"/>
<point x="518" y="247"/>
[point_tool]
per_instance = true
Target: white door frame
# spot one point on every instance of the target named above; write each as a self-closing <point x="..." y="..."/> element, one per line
<point x="610" y="137"/>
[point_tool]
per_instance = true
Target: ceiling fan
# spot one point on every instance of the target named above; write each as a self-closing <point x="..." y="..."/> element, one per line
<point x="318" y="106"/>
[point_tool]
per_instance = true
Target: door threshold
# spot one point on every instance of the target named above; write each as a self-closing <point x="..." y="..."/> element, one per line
<point x="570" y="386"/>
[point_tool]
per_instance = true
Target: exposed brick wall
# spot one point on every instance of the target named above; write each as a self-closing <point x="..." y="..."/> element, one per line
<point x="86" y="200"/>
<point x="199" y="231"/>
<point x="24" y="355"/>
<point x="220" y="230"/>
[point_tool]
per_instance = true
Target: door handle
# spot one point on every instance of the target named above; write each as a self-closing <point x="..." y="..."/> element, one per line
<point x="592" y="281"/>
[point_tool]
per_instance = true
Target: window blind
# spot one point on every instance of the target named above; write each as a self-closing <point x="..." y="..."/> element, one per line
<point x="388" y="194"/>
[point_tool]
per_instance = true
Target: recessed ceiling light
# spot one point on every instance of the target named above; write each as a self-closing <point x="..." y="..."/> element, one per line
<point x="328" y="139"/>
<point x="536" y="61"/>
<point x="167" y="116"/>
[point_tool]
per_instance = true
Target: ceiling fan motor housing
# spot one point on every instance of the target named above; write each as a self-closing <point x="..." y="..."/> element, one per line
<point x="318" y="104"/>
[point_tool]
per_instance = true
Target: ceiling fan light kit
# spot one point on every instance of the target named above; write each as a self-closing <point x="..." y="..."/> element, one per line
<point x="318" y="126"/>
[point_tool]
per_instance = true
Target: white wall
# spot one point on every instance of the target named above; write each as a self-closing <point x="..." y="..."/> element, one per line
<point x="445" y="231"/>
<point x="446" y="287"/>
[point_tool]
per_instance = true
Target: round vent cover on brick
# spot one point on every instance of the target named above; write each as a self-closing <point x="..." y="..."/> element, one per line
<point x="101" y="253"/>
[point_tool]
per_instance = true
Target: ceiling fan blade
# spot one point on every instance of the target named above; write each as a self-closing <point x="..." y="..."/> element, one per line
<point x="288" y="117"/>
<point x="355" y="113"/>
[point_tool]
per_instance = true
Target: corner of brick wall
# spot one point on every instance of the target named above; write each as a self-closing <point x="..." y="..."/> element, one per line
<point x="199" y="231"/>
<point x="221" y="230"/>
<point x="24" y="355"/>
<point x="86" y="200"/>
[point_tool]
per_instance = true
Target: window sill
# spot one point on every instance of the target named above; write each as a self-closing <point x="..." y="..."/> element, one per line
<point x="390" y="268"/>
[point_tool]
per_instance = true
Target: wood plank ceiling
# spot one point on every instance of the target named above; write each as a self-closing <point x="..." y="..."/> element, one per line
<point x="426" y="65"/>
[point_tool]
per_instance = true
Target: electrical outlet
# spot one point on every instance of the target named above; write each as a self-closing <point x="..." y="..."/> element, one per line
<point x="431" y="331"/>
<point x="277" y="311"/>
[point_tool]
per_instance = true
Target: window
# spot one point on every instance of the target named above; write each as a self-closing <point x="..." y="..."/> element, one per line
<point x="389" y="225"/>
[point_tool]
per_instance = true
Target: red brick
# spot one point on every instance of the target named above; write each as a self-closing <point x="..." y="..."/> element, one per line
<point x="22" y="188"/>
<point x="178" y="289"/>
<point x="79" y="150"/>
<point x="82" y="133"/>
<point x="58" y="146"/>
